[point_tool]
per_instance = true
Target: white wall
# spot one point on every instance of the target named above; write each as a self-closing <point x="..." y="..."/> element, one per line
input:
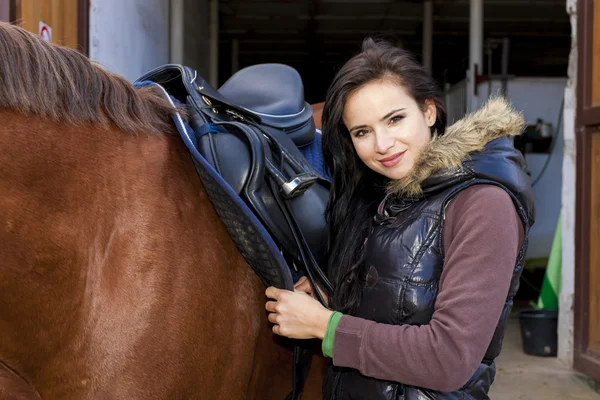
<point x="539" y="98"/>
<point x="566" y="297"/>
<point x="129" y="37"/>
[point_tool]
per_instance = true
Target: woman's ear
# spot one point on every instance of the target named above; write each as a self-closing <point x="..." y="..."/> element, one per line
<point x="430" y="112"/>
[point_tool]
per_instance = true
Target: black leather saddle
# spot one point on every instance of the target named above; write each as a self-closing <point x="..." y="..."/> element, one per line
<point x="244" y="140"/>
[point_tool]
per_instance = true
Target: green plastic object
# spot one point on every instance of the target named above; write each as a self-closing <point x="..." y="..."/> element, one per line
<point x="548" y="299"/>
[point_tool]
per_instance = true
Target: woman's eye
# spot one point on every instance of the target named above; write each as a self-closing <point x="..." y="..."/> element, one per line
<point x="360" y="133"/>
<point x="396" y="118"/>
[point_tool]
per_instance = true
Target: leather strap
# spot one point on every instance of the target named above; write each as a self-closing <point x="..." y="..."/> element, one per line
<point x="313" y="271"/>
<point x="302" y="360"/>
<point x="303" y="355"/>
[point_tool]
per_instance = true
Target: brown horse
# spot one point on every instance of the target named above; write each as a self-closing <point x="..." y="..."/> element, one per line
<point x="117" y="278"/>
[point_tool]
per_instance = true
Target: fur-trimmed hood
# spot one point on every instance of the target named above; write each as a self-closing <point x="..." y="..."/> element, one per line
<point x="450" y="150"/>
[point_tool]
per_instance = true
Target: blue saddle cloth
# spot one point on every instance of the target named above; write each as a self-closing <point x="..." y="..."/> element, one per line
<point x="314" y="155"/>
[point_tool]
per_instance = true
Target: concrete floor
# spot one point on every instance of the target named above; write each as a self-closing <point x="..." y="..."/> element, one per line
<point x="521" y="376"/>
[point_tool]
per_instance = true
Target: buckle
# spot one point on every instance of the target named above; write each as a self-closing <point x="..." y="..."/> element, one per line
<point x="293" y="186"/>
<point x="298" y="185"/>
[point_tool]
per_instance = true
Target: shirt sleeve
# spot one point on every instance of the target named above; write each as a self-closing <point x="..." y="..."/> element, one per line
<point x="482" y="235"/>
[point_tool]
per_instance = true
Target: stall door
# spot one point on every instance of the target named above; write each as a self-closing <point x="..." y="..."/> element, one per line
<point x="587" y="237"/>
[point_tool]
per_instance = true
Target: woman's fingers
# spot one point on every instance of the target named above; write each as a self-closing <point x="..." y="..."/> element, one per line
<point x="276" y="330"/>
<point x="273" y="293"/>
<point x="296" y="315"/>
<point x="272" y="318"/>
<point x="271" y="306"/>
<point x="303" y="285"/>
<point x="300" y="282"/>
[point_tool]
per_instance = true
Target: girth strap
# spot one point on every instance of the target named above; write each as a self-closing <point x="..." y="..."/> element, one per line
<point x="302" y="360"/>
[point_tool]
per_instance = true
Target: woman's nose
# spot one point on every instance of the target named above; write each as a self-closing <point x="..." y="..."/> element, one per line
<point x="383" y="142"/>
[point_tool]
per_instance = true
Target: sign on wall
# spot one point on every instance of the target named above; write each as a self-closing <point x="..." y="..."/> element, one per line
<point x="45" y="31"/>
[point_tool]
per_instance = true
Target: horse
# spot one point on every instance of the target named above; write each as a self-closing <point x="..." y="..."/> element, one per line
<point x="117" y="278"/>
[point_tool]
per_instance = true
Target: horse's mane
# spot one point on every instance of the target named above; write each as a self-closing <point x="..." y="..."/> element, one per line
<point x="61" y="83"/>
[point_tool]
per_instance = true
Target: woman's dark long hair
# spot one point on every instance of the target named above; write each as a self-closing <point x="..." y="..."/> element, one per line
<point x="357" y="190"/>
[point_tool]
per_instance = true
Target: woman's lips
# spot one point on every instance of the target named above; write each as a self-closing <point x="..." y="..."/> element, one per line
<point x="393" y="160"/>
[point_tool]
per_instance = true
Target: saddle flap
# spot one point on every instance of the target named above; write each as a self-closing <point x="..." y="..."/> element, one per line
<point x="235" y="164"/>
<point x="246" y="170"/>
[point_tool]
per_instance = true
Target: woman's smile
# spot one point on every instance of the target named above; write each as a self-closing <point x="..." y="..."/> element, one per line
<point x="392" y="161"/>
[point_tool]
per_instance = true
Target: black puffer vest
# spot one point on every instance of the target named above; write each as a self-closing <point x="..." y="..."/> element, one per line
<point x="405" y="250"/>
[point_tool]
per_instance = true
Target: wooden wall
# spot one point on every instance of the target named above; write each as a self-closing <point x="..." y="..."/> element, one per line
<point x="594" y="266"/>
<point x="60" y="15"/>
<point x="587" y="220"/>
<point x="596" y="55"/>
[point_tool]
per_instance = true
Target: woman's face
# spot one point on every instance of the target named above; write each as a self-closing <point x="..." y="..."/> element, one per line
<point x="388" y="128"/>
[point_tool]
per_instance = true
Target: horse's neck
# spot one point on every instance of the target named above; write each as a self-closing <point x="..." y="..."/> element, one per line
<point x="114" y="237"/>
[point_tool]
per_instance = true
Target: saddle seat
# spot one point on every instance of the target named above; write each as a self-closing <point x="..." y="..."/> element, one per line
<point x="275" y="94"/>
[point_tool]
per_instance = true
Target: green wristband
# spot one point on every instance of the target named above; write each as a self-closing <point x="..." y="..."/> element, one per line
<point x="327" y="346"/>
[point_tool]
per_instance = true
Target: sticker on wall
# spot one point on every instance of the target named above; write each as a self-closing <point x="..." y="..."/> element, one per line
<point x="45" y="32"/>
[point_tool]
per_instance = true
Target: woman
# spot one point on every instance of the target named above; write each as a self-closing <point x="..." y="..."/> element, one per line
<point x="428" y="232"/>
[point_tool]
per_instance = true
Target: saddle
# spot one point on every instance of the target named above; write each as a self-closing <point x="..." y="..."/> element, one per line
<point x="246" y="140"/>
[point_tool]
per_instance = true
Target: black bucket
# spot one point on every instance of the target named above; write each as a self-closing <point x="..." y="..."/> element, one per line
<point x="539" y="332"/>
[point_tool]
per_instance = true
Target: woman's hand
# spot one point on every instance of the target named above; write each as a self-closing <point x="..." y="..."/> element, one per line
<point x="303" y="285"/>
<point x="296" y="314"/>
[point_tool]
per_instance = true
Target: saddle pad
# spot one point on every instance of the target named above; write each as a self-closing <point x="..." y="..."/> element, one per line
<point x="314" y="155"/>
<point x="249" y="235"/>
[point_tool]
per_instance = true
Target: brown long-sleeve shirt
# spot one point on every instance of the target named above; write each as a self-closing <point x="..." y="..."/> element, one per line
<point x="482" y="235"/>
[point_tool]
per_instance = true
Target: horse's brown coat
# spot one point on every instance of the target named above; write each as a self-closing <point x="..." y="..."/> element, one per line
<point x="318" y="114"/>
